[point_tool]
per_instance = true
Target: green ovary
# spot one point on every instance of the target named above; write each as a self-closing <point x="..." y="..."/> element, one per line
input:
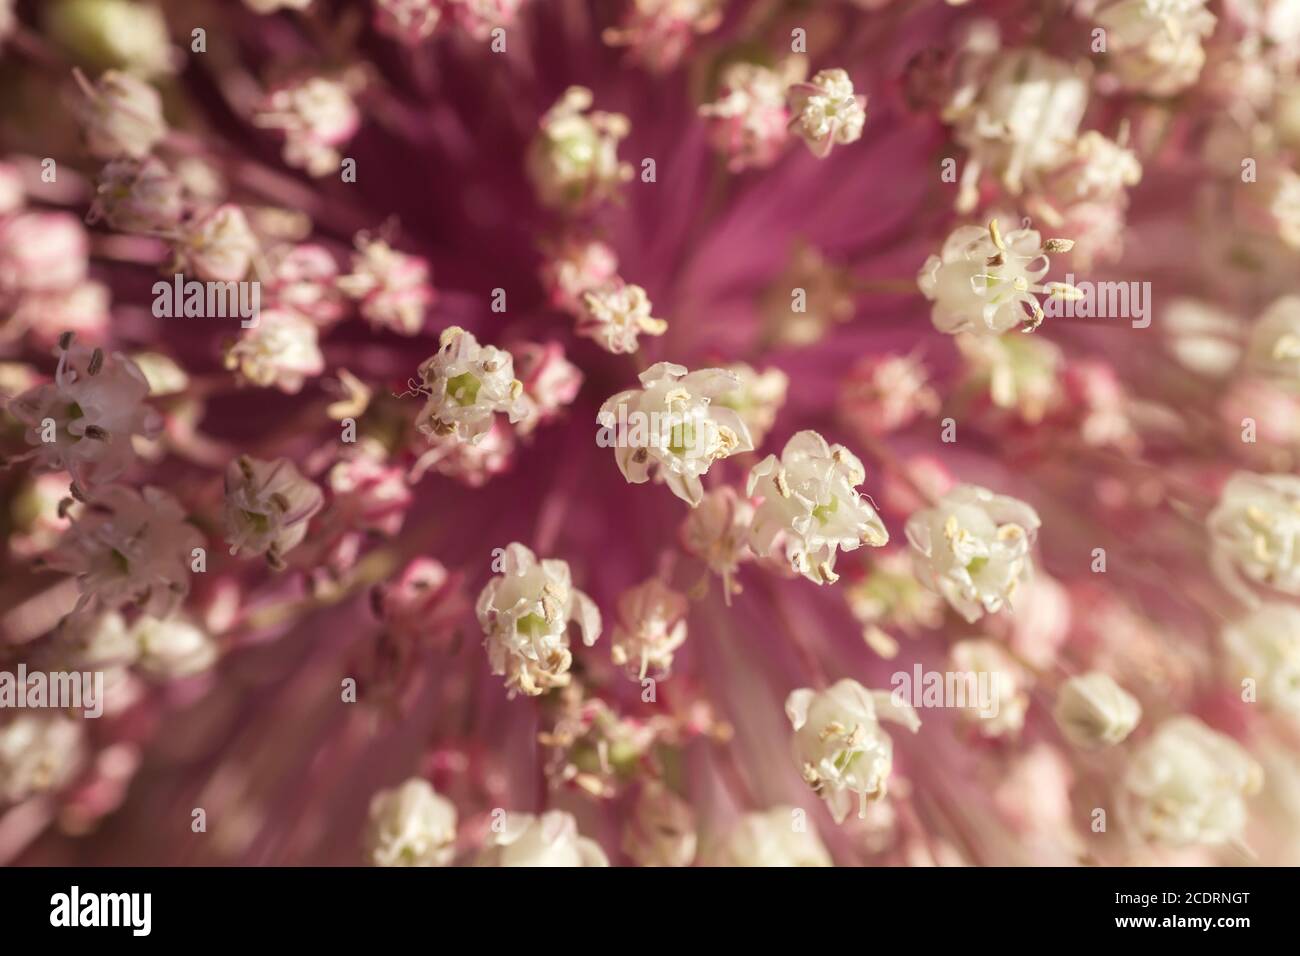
<point x="463" y="389"/>
<point x="531" y="625"/>
<point x="823" y="512"/>
<point x="976" y="565"/>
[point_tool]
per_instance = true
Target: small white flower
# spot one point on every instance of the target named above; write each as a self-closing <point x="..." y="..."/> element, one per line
<point x="672" y="427"/>
<point x="661" y="829"/>
<point x="316" y="116"/>
<point x="1093" y="711"/>
<point x="281" y="351"/>
<point x="759" y="398"/>
<point x="268" y="506"/>
<point x="93" y="410"/>
<point x="573" y="161"/>
<point x="770" y="838"/>
<point x="411" y="825"/>
<point x="615" y="314"/>
<point x="810" y="503"/>
<point x="1255" y="532"/>
<point x="393" y="288"/>
<point x="651" y="626"/>
<point x="122" y="116"/>
<point x="986" y="283"/>
<point x="1002" y="714"/>
<point x="128" y="546"/>
<point x="973" y="548"/>
<point x="749" y="121"/>
<point x="219" y="246"/>
<point x="467" y="384"/>
<point x="826" y="111"/>
<point x="549" y="840"/>
<point x="1155" y="45"/>
<point x="1273" y="349"/>
<point x="98" y="642"/>
<point x="1264" y="646"/>
<point x="1026" y="116"/>
<point x="1188" y="785"/>
<point x="839" y="746"/>
<point x="38" y="753"/>
<point x="525" y="613"/>
<point x="717" y="532"/>
<point x="172" y="648"/>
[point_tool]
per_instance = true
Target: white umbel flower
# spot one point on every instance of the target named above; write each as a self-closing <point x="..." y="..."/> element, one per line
<point x="780" y="836"/>
<point x="1255" y="533"/>
<point x="128" y="546"/>
<point x="38" y="753"/>
<point x="973" y="549"/>
<point x="651" y="627"/>
<point x="1026" y="117"/>
<point x="573" y="161"/>
<point x="1273" y="349"/>
<point x="1264" y="646"/>
<point x="1156" y="45"/>
<point x="92" y="411"/>
<point x="839" y="746"/>
<point x="1003" y="713"/>
<point x="986" y="283"/>
<point x="467" y="384"/>
<point x="615" y="314"/>
<point x="549" y="840"/>
<point x="411" y="825"/>
<point x="1188" y="785"/>
<point x="810" y="503"/>
<point x="525" y="613"/>
<point x="268" y="506"/>
<point x="1092" y="711"/>
<point x="673" y="427"/>
<point x="825" y="111"/>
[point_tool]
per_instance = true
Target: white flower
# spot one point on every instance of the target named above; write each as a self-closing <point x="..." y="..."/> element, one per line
<point x="268" y="505"/>
<point x="92" y="411"/>
<point x="219" y="246"/>
<point x="839" y="745"/>
<point x="1155" y="45"/>
<point x="128" y="546"/>
<point x="1003" y="712"/>
<point x="549" y="840"/>
<point x="525" y="613"/>
<point x="759" y="398"/>
<point x="316" y="115"/>
<point x="1098" y="170"/>
<point x="573" y="161"/>
<point x="661" y="828"/>
<point x="1264" y="646"/>
<point x="672" y="427"/>
<point x="749" y="121"/>
<point x="771" y="838"/>
<point x="1026" y="117"/>
<point x="717" y="532"/>
<point x="651" y="626"/>
<point x="98" y="642"/>
<point x="38" y="753"/>
<point x="615" y="314"/>
<point x="467" y="384"/>
<point x="122" y="116"/>
<point x="1093" y="711"/>
<point x="138" y="196"/>
<point x="987" y="283"/>
<point x="172" y="648"/>
<point x="1255" y="531"/>
<point x="1273" y="349"/>
<point x="394" y="288"/>
<point x="973" y="548"/>
<point x="1187" y="785"/>
<point x="411" y="825"/>
<point x="282" y="351"/>
<point x="811" y="505"/>
<point x="826" y="111"/>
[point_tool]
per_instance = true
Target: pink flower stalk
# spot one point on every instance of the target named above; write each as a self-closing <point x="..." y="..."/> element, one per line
<point x="994" y="382"/>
